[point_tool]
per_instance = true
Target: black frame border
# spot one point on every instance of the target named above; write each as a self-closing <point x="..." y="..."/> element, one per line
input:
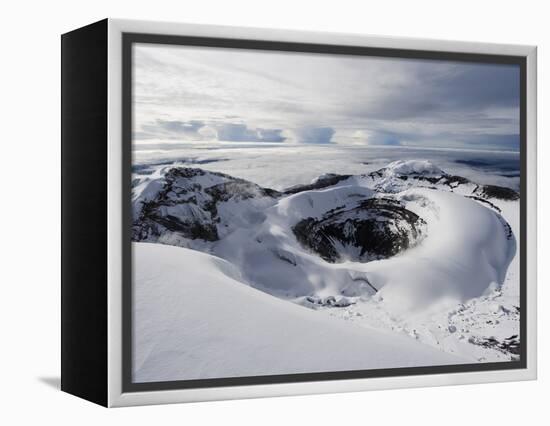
<point x="129" y="39"/>
<point x="84" y="184"/>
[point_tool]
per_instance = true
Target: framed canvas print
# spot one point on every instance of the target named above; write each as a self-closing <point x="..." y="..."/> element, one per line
<point x="255" y="212"/>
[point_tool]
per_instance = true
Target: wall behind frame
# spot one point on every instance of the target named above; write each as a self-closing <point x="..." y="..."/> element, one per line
<point x="30" y="303"/>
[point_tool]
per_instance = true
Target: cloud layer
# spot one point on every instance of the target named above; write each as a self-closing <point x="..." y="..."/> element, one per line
<point x="214" y="94"/>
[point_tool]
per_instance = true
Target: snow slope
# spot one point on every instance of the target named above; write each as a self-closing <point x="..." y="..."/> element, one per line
<point x="466" y="253"/>
<point x="193" y="319"/>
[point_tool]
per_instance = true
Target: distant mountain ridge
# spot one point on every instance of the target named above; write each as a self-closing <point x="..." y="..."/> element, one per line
<point x="196" y="204"/>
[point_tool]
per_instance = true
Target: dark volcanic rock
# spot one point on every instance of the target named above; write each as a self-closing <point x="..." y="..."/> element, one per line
<point x="511" y="345"/>
<point x="188" y="204"/>
<point x="240" y="189"/>
<point x="451" y="181"/>
<point x="322" y="182"/>
<point x="376" y="228"/>
<point x="498" y="192"/>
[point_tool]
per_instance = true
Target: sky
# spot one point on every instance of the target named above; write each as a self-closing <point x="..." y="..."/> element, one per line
<point x="203" y="94"/>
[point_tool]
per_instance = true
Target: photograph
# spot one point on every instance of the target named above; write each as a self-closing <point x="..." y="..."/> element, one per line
<point x="305" y="212"/>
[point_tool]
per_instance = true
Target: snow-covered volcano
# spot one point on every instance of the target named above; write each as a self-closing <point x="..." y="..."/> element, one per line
<point x="322" y="238"/>
<point x="390" y="249"/>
